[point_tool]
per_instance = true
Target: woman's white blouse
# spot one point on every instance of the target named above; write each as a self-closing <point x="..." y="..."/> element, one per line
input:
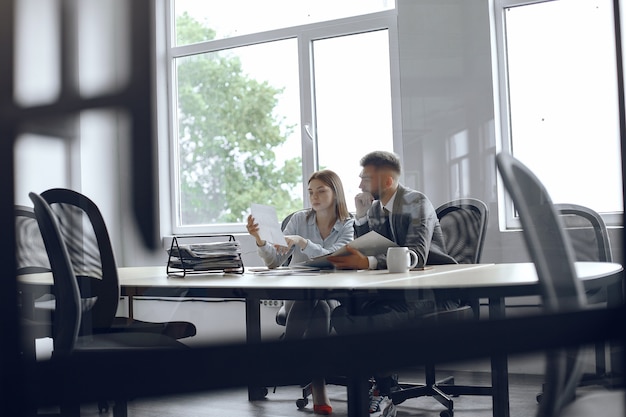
<point x="341" y="234"/>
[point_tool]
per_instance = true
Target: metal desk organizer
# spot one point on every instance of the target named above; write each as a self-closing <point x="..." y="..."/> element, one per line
<point x="200" y="258"/>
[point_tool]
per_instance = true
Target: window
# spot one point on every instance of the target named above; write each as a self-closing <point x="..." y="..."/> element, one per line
<point x="259" y="104"/>
<point x="353" y="102"/>
<point x="560" y="112"/>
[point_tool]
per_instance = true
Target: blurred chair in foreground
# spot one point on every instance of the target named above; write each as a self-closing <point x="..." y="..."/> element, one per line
<point x="68" y="313"/>
<point x="87" y="239"/>
<point x="561" y="291"/>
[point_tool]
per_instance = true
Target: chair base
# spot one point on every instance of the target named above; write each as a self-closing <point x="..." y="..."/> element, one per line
<point x="443" y="391"/>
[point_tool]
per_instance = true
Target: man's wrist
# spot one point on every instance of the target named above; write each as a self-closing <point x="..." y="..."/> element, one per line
<point x="360" y="221"/>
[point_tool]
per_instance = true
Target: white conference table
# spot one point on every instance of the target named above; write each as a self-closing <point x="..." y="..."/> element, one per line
<point x="492" y="281"/>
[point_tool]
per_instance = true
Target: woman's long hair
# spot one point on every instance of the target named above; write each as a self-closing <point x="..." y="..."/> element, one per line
<point x="332" y="180"/>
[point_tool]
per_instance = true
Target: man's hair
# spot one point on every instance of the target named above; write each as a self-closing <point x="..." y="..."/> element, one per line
<point x="382" y="159"/>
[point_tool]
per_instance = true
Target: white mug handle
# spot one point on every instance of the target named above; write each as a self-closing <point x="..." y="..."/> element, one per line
<point x="414" y="259"/>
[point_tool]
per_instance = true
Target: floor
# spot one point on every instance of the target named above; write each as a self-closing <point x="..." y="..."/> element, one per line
<point x="524" y="379"/>
<point x="282" y="402"/>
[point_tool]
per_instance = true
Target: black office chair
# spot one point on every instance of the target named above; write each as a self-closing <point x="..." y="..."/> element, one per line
<point x="561" y="291"/>
<point x="587" y="232"/>
<point x="464" y="226"/>
<point x="31" y="258"/>
<point x="67" y="340"/>
<point x="590" y="241"/>
<point x="30" y="250"/>
<point x="87" y="239"/>
<point x="86" y="236"/>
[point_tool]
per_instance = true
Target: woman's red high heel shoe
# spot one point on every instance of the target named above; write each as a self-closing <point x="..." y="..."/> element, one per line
<point x="322" y="409"/>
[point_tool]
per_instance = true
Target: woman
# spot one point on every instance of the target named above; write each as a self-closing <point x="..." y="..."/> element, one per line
<point x="323" y="229"/>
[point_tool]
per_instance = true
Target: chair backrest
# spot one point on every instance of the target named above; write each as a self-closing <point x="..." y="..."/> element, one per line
<point x="553" y="256"/>
<point x="464" y="225"/>
<point x="285" y="221"/>
<point x="587" y="232"/>
<point x="67" y="314"/>
<point x="87" y="239"/>
<point x="31" y="256"/>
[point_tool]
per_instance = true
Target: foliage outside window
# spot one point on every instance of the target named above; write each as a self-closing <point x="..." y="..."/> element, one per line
<point x="227" y="136"/>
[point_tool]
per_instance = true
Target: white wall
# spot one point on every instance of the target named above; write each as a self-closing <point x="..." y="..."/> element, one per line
<point x="448" y="103"/>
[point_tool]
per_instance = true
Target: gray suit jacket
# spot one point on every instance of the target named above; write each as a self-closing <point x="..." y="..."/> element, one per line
<point x="415" y="225"/>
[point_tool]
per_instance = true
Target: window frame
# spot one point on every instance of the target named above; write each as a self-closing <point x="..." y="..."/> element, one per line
<point x="305" y="36"/>
<point x="509" y="220"/>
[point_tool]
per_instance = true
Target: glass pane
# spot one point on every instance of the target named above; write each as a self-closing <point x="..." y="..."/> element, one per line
<point x="37" y="36"/>
<point x="32" y="152"/>
<point x="240" y="17"/>
<point x="353" y="103"/>
<point x="563" y="99"/>
<point x="103" y="51"/>
<point x="238" y="115"/>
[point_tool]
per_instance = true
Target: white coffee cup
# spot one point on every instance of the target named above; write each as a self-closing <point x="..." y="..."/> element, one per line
<point x="400" y="259"/>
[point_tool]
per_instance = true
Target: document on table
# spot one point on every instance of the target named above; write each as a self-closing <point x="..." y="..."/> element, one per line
<point x="370" y="244"/>
<point x="286" y="270"/>
<point x="269" y="227"/>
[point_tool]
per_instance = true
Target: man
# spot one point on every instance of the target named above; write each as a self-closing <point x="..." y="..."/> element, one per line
<point x="408" y="218"/>
<point x="403" y="215"/>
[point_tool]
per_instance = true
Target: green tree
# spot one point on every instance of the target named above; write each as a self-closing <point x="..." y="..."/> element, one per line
<point x="227" y="136"/>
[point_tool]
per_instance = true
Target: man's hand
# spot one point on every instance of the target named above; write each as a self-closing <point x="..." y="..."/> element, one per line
<point x="354" y="260"/>
<point x="362" y="201"/>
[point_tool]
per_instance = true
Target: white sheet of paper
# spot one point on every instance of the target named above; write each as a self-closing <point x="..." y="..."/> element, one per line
<point x="269" y="227"/>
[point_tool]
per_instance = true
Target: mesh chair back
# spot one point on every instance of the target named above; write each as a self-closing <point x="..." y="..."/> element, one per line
<point x="30" y="250"/>
<point x="587" y="232"/>
<point x="553" y="256"/>
<point x="87" y="240"/>
<point x="464" y="225"/>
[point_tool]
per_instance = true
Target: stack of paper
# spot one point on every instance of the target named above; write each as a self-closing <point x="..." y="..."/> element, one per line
<point x="206" y="256"/>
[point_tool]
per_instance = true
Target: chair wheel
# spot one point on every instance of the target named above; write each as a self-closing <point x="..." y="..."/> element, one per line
<point x="301" y="403"/>
<point x="539" y="397"/>
<point x="447" y="413"/>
